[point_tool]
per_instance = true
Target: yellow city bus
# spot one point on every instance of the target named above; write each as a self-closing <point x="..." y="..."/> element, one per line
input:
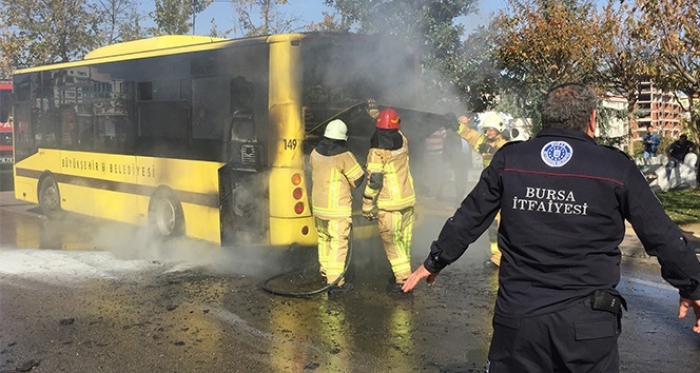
<point x="197" y="136"/>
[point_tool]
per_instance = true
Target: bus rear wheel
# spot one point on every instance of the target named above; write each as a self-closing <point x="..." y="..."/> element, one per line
<point x="50" y="199"/>
<point x="165" y="215"/>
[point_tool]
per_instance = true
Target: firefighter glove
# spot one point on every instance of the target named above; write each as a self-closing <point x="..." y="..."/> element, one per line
<point x="369" y="210"/>
<point x="451" y="122"/>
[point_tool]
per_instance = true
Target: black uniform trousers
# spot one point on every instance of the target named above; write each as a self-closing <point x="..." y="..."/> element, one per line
<point x="575" y="339"/>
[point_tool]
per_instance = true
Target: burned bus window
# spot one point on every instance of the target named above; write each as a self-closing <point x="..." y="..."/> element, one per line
<point x="242" y="95"/>
<point x="145" y="91"/>
<point x="163" y="119"/>
<point x="203" y="65"/>
<point x="167" y="90"/>
<point x="210" y="98"/>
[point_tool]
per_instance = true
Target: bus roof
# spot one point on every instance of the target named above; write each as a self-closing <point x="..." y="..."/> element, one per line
<point x="149" y="45"/>
<point x="157" y="46"/>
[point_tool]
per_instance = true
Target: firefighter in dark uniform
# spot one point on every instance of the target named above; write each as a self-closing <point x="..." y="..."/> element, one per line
<point x="563" y="201"/>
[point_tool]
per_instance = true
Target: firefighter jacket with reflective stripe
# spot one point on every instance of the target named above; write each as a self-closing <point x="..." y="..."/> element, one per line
<point x="333" y="178"/>
<point x="485" y="147"/>
<point x="394" y="191"/>
<point x="564" y="200"/>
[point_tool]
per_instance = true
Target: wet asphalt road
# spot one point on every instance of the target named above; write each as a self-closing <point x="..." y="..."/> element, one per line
<point x="89" y="296"/>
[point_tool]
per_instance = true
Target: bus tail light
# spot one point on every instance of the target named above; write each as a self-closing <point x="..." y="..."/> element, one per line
<point x="297" y="193"/>
<point x="299" y="207"/>
<point x="296" y="179"/>
<point x="305" y="230"/>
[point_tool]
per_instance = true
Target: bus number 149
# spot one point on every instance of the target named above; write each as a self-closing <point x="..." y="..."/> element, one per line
<point x="290" y="144"/>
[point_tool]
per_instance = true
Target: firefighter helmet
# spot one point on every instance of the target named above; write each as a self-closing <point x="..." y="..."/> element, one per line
<point x="336" y="130"/>
<point x="388" y="120"/>
<point x="492" y="119"/>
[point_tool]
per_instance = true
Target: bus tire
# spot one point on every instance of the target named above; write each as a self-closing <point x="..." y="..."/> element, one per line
<point x="50" y="199"/>
<point x="165" y="215"/>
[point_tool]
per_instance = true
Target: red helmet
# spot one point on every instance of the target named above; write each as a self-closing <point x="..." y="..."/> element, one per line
<point x="388" y="120"/>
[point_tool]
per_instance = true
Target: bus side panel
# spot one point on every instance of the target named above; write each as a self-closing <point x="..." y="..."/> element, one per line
<point x="100" y="185"/>
<point x="29" y="170"/>
<point x="196" y="186"/>
<point x="78" y="198"/>
<point x="203" y="222"/>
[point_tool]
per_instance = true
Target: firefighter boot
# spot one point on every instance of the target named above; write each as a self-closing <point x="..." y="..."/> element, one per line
<point x="341" y="290"/>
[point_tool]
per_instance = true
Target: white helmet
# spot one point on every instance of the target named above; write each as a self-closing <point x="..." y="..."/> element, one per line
<point x="336" y="130"/>
<point x="492" y="119"/>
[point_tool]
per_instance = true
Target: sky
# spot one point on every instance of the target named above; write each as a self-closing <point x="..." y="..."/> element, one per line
<point x="310" y="11"/>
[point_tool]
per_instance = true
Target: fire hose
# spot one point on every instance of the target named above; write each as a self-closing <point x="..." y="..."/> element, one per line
<point x="266" y="284"/>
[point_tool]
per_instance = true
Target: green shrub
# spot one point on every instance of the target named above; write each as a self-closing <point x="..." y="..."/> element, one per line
<point x="683" y="206"/>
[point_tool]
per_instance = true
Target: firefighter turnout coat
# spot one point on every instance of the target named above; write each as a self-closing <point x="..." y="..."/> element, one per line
<point x="390" y="191"/>
<point x="389" y="180"/>
<point x="334" y="172"/>
<point x="481" y="143"/>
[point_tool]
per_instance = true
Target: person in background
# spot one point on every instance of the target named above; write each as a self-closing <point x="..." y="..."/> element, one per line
<point x="485" y="143"/>
<point x="458" y="156"/>
<point x="676" y="152"/>
<point x="651" y="142"/>
<point x="389" y="196"/>
<point x="334" y="173"/>
<point x="564" y="200"/>
<point x="433" y="163"/>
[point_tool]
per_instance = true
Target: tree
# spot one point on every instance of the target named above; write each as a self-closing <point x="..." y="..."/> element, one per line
<point x="428" y="26"/>
<point x="37" y="32"/>
<point x="133" y="30"/>
<point x="627" y="60"/>
<point x="674" y="27"/>
<point x="329" y="23"/>
<point x="478" y="72"/>
<point x="272" y="21"/>
<point x="172" y="16"/>
<point x="120" y="20"/>
<point x="542" y="43"/>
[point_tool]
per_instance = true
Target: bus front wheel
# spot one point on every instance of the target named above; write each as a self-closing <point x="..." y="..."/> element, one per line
<point x="50" y="199"/>
<point x="165" y="215"/>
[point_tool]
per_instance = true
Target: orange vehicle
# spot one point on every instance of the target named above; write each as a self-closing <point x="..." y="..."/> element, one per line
<point x="5" y="127"/>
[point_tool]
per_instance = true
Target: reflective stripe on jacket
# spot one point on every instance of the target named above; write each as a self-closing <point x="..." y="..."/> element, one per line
<point x="485" y="147"/>
<point x="333" y="178"/>
<point x="396" y="192"/>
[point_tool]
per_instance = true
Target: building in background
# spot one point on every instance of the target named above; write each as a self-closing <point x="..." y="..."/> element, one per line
<point x="659" y="109"/>
<point x="616" y="126"/>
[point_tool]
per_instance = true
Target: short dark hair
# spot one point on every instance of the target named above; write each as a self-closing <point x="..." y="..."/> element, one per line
<point x="568" y="106"/>
<point x="684" y="136"/>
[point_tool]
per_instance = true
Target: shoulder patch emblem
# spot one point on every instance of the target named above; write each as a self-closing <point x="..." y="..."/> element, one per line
<point x="556" y="153"/>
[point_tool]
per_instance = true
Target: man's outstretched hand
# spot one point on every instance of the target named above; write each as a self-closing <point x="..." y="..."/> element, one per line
<point x="415" y="278"/>
<point x="685" y="304"/>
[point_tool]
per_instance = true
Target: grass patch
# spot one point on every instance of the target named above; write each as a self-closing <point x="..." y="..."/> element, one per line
<point x="683" y="206"/>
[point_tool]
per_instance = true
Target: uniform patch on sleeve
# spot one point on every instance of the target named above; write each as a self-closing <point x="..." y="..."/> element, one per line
<point x="556" y="153"/>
